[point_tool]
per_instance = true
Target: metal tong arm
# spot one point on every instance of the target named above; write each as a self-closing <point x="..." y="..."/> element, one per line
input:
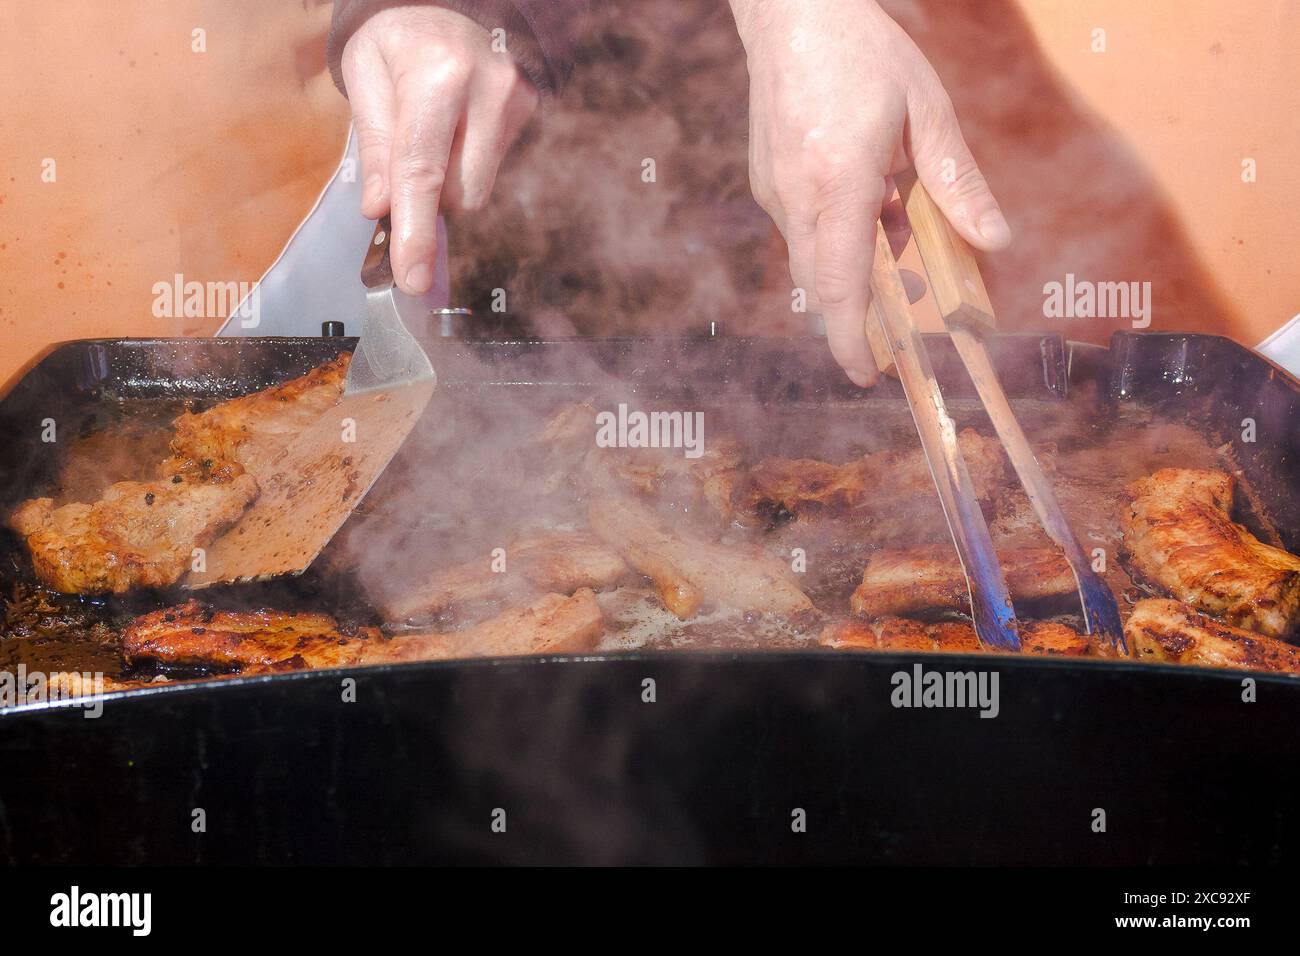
<point x="963" y="301"/>
<point x="991" y="608"/>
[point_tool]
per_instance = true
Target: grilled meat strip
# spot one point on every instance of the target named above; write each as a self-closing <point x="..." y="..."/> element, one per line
<point x="911" y="580"/>
<point x="877" y="483"/>
<point x="192" y="636"/>
<point x="555" y="452"/>
<point x="139" y="534"/>
<point x="901" y="634"/>
<point x="690" y="572"/>
<point x="142" y="534"/>
<point x="705" y="484"/>
<point x="562" y="453"/>
<point x="1176" y="633"/>
<point x="268" y="641"/>
<point x="552" y="624"/>
<point x="1179" y="534"/>
<point x="65" y="685"/>
<point x="246" y="434"/>
<point x="555" y="562"/>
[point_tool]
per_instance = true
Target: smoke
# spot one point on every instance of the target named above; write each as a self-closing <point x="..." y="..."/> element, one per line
<point x="582" y="245"/>
<point x="574" y="230"/>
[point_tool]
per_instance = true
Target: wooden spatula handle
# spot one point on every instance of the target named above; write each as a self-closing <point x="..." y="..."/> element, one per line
<point x="955" y="279"/>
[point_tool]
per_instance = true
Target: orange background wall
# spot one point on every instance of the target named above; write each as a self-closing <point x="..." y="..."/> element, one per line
<point x="167" y="160"/>
<point x="172" y="161"/>
<point x="1195" y="86"/>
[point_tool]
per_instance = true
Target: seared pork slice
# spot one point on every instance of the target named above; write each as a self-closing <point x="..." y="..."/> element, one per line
<point x="142" y="534"/>
<point x="1179" y="535"/>
<point x="808" y="483"/>
<point x="930" y="578"/>
<point x="139" y="534"/>
<point x="554" y="562"/>
<point x="571" y="426"/>
<point x="901" y="634"/>
<point x="1056" y="640"/>
<point x="902" y="475"/>
<point x="1176" y="633"/>
<point x="248" y="433"/>
<point x="66" y="685"/>
<point x="556" y="453"/>
<point x="690" y="572"/>
<point x="552" y="624"/>
<point x="706" y="484"/>
<point x="849" y="634"/>
<point x="193" y="636"/>
<point x="878" y="483"/>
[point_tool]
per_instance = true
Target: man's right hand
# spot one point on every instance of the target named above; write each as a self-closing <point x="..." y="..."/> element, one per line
<point x="840" y="98"/>
<point x="435" y="109"/>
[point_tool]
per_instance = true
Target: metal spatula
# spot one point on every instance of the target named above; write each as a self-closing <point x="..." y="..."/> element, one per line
<point x="326" y="471"/>
<point x="959" y="292"/>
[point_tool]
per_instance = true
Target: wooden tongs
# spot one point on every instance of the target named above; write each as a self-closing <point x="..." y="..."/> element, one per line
<point x="963" y="302"/>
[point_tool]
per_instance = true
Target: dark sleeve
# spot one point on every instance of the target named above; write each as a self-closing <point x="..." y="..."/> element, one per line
<point x="538" y="32"/>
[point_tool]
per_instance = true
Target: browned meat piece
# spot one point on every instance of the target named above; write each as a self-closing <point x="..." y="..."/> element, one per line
<point x="65" y="685"/>
<point x="249" y="432"/>
<point x="1055" y="640"/>
<point x="555" y="454"/>
<point x="1179" y="535"/>
<point x="808" y="483"/>
<point x="555" y="562"/>
<point x="572" y="426"/>
<point x="707" y="483"/>
<point x="912" y="637"/>
<point x="877" y="483"/>
<point x="957" y="638"/>
<point x="852" y="633"/>
<point x="1172" y="632"/>
<point x="912" y="580"/>
<point x="139" y="534"/>
<point x="191" y="635"/>
<point x="269" y="641"/>
<point x="902" y="476"/>
<point x="142" y="534"/>
<point x="72" y="685"/>
<point x="902" y="634"/>
<point x="552" y="624"/>
<point x="690" y="572"/>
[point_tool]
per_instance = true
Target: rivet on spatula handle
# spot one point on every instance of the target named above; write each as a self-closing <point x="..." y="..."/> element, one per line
<point x="377" y="268"/>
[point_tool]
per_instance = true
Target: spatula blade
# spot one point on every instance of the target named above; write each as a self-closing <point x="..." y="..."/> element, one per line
<point x="312" y="488"/>
<point x="308" y="491"/>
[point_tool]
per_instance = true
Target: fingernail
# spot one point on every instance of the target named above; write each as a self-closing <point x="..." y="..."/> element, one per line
<point x="419" y="278"/>
<point x="859" y="378"/>
<point x="374" y="186"/>
<point x="993" y="227"/>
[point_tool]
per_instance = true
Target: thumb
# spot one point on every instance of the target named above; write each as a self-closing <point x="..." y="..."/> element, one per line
<point x="945" y="165"/>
